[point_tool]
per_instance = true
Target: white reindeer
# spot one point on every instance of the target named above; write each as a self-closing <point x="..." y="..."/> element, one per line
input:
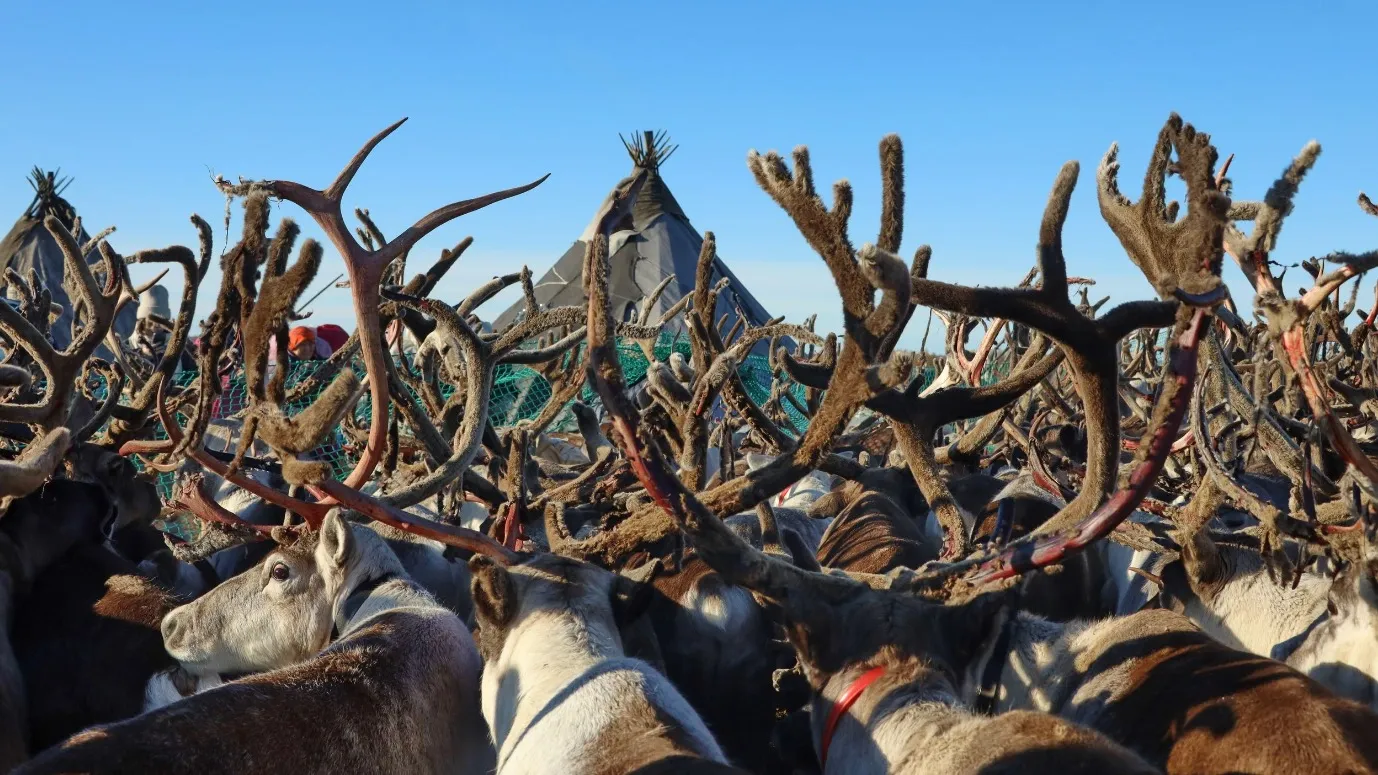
<point x="559" y="692"/>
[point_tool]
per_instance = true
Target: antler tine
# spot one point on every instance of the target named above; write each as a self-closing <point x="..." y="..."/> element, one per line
<point x="544" y="354"/>
<point x="131" y="418"/>
<point x="366" y="272"/>
<point x="722" y="549"/>
<point x="1251" y="252"/>
<point x="1181" y="258"/>
<point x="60" y="369"/>
<point x="450" y="535"/>
<point x="892" y="193"/>
<point x="1367" y="204"/>
<point x="648" y="304"/>
<point x="824" y="229"/>
<point x="487" y="291"/>
<point x="35" y="464"/>
<point x="193" y="498"/>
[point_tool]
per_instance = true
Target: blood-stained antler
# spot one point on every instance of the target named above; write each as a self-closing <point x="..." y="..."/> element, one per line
<point x="1287" y="318"/>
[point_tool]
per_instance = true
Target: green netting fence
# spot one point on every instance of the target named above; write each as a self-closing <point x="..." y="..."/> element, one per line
<point x="519" y="393"/>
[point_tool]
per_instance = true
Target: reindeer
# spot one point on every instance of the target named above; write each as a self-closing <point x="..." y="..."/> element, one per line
<point x="261" y="314"/>
<point x="968" y="747"/>
<point x="55" y="568"/>
<point x="557" y="685"/>
<point x="956" y="627"/>
<point x="396" y="691"/>
<point x="1088" y="673"/>
<point x="1257" y="589"/>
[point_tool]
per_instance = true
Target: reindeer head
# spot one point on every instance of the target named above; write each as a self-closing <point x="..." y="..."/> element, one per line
<point x="133" y="498"/>
<point x="601" y="603"/>
<point x="283" y="610"/>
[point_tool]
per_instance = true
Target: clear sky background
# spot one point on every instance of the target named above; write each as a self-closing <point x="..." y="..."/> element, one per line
<point x="143" y="102"/>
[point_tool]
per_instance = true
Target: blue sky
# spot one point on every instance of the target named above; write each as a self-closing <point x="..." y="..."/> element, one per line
<point x="143" y="102"/>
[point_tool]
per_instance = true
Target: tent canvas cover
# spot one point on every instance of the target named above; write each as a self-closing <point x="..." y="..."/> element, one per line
<point x="32" y="252"/>
<point x="651" y="239"/>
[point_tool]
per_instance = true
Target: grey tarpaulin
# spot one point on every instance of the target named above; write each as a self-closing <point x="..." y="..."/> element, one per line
<point x="28" y="246"/>
<point x="651" y="238"/>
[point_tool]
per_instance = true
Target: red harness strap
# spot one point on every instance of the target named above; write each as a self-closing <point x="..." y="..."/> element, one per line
<point x="840" y="708"/>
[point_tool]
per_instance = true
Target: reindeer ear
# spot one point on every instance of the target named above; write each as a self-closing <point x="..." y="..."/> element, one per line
<point x="494" y="595"/>
<point x="337" y="540"/>
<point x="632" y="592"/>
<point x="800" y="553"/>
<point x="1201" y="559"/>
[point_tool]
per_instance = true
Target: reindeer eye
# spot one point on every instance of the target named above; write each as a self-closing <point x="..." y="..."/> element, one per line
<point x="280" y="572"/>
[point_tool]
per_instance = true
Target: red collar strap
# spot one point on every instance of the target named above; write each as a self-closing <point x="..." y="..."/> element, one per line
<point x="840" y="708"/>
<point x="785" y="493"/>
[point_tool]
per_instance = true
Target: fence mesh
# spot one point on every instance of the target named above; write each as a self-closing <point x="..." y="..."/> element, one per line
<point x="519" y="393"/>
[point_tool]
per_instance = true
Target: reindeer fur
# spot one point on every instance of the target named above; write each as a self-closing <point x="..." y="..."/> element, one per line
<point x="396" y="693"/>
<point x="1184" y="702"/>
<point x="557" y="686"/>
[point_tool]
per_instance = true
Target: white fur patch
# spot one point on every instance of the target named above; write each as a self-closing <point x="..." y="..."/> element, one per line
<point x="161" y="691"/>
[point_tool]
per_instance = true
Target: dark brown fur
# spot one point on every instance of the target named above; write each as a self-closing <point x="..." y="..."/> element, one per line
<point x="629" y="750"/>
<point x="1071" y="590"/>
<point x="382" y="700"/>
<point x="88" y="642"/>
<point x="13" y="749"/>
<point x="724" y="676"/>
<point x="873" y="535"/>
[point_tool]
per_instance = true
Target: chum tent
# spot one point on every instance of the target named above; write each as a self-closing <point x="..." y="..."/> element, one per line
<point x="31" y="251"/>
<point x="651" y="240"/>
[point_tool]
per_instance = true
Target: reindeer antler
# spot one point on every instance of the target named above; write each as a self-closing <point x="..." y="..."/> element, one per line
<point x="365" y="269"/>
<point x="60" y="369"/>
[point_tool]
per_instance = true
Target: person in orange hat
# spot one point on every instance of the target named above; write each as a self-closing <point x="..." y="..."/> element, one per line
<point x="301" y="342"/>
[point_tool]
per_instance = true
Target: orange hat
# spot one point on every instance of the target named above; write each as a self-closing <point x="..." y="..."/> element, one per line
<point x="298" y="335"/>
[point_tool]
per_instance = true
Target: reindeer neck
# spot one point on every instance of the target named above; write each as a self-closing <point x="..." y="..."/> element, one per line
<point x="893" y="718"/>
<point x="546" y="653"/>
<point x="375" y="583"/>
<point x="560" y="643"/>
<point x="1035" y="664"/>
<point x="384" y="592"/>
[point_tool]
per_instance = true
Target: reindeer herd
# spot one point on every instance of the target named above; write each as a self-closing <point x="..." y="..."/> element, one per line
<point x="1140" y="539"/>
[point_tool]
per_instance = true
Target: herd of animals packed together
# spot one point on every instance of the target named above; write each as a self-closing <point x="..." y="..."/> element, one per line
<point x="1123" y="540"/>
